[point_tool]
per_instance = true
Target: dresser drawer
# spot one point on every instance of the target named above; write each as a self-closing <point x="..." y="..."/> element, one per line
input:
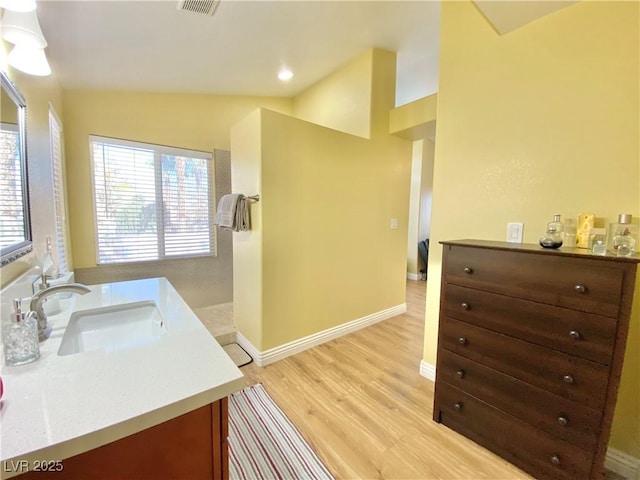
<point x="587" y="286"/>
<point x="574" y="378"/>
<point x="536" y="452"/>
<point x="570" y="421"/>
<point x="577" y="333"/>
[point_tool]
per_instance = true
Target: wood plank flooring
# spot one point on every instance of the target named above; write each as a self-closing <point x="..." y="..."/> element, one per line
<point x="362" y="405"/>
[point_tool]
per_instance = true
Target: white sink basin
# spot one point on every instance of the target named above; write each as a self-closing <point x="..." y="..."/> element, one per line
<point x="111" y="328"/>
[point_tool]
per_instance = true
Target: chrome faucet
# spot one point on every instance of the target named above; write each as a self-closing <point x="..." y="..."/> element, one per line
<point x="38" y="299"/>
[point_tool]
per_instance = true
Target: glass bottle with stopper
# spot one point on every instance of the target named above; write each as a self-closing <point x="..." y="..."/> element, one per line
<point x="623" y="236"/>
<point x="553" y="234"/>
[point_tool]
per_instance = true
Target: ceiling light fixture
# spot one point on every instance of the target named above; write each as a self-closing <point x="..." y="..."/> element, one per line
<point x="285" y="74"/>
<point x="31" y="60"/>
<point x="23" y="30"/>
<point x="18" y="5"/>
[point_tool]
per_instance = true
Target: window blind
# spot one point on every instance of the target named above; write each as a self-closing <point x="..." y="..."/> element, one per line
<point x="152" y="202"/>
<point x="12" y="219"/>
<point x="60" y="206"/>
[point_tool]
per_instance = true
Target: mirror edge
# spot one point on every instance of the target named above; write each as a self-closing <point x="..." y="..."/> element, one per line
<point x="18" y="250"/>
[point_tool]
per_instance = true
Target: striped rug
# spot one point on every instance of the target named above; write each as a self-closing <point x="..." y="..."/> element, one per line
<point x="264" y="444"/>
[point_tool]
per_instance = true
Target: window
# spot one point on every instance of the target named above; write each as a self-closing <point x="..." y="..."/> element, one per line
<point x="12" y="220"/>
<point x="59" y="201"/>
<point x="152" y="202"/>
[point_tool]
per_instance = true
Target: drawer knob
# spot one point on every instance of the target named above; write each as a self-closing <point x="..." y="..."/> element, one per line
<point x="457" y="405"/>
<point x="567" y="379"/>
<point x="580" y="288"/>
<point x="562" y="420"/>
<point x="468" y="270"/>
<point x="555" y="460"/>
<point x="460" y="373"/>
<point x="575" y="334"/>
<point x="462" y="341"/>
<point x="466" y="306"/>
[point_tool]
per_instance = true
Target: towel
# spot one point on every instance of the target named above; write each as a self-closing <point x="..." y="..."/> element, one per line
<point x="232" y="213"/>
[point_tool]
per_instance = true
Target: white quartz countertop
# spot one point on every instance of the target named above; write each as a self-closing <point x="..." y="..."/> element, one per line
<point x="60" y="406"/>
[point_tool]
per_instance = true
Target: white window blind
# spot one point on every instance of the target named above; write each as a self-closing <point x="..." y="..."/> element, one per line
<point x="152" y="202"/>
<point x="12" y="219"/>
<point x="60" y="204"/>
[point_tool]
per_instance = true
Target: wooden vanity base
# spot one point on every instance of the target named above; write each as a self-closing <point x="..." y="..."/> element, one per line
<point x="193" y="445"/>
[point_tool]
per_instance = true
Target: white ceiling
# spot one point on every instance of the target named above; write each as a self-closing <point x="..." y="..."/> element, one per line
<point x="151" y="46"/>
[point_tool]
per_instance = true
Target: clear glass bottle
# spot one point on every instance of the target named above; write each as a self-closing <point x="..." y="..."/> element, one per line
<point x="597" y="234"/>
<point x="569" y="237"/>
<point x="599" y="247"/>
<point x="622" y="238"/>
<point x="553" y="234"/>
<point x="20" y="337"/>
<point x="557" y="224"/>
<point x="598" y="241"/>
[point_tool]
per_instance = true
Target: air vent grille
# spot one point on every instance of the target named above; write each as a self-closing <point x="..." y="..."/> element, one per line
<point x="204" y="7"/>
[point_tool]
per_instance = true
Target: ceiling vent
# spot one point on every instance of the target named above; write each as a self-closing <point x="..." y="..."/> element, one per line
<point x="204" y="7"/>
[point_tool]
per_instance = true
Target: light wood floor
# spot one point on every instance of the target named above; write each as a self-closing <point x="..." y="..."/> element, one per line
<point x="362" y="405"/>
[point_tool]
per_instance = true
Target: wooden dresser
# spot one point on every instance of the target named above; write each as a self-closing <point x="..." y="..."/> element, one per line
<point x="530" y="349"/>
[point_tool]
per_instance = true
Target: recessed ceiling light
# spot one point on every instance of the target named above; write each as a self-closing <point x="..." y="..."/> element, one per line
<point x="285" y="74"/>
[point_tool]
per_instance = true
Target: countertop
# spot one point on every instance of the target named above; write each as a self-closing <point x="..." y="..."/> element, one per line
<point x="60" y="406"/>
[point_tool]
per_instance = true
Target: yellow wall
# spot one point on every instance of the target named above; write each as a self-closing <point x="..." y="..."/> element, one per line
<point x="539" y="121"/>
<point x="383" y="91"/>
<point x="198" y="122"/>
<point x="38" y="92"/>
<point x="8" y="110"/>
<point x="328" y="253"/>
<point x="342" y="100"/>
<point x="415" y="120"/>
<point x="246" y="175"/>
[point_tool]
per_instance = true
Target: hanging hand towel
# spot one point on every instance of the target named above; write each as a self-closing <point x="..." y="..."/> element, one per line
<point x="232" y="213"/>
<point x="242" y="215"/>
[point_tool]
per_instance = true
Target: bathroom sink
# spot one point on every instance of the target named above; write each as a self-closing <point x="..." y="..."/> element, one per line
<point x="112" y="328"/>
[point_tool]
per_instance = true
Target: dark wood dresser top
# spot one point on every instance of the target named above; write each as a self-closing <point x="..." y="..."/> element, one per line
<point x="534" y="248"/>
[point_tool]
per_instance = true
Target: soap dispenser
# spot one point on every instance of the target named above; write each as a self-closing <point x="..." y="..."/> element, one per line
<point x="20" y="337"/>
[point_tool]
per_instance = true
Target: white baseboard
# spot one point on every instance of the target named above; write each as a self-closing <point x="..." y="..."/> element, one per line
<point x="428" y="371"/>
<point x="248" y="347"/>
<point x="414" y="276"/>
<point x="623" y="464"/>
<point x="278" y="353"/>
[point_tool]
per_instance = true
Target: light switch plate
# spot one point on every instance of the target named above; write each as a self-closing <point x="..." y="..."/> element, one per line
<point x="394" y="224"/>
<point x="514" y="232"/>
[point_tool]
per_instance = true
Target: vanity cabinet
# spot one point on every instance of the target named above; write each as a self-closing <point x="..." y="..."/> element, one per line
<point x="530" y="349"/>
<point x="193" y="446"/>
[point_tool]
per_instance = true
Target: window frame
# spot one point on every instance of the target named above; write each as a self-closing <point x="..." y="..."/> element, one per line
<point x="158" y="150"/>
<point x="59" y="189"/>
<point x="14" y="130"/>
